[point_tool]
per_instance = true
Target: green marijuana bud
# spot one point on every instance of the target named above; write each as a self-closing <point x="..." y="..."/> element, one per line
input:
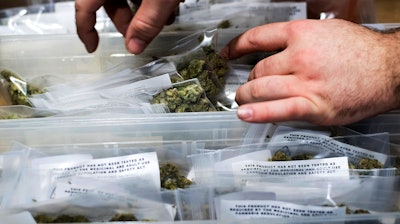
<point x="171" y="179"/>
<point x="123" y="217"/>
<point x="42" y="218"/>
<point x="19" y="89"/>
<point x="367" y="164"/>
<point x="184" y="98"/>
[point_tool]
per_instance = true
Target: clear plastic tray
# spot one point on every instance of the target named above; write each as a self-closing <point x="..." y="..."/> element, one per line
<point x="216" y="128"/>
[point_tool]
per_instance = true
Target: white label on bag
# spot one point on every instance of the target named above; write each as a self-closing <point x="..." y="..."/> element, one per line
<point x="319" y="139"/>
<point x="284" y="134"/>
<point x="122" y="166"/>
<point x="226" y="165"/>
<point x="238" y="209"/>
<point x="328" y="167"/>
<point x="64" y="190"/>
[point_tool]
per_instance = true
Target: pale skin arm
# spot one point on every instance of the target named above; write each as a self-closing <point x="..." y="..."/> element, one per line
<point x="139" y="29"/>
<point x="328" y="72"/>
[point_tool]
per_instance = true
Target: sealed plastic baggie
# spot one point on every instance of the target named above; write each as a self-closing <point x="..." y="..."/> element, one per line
<point x="16" y="92"/>
<point x="119" y="88"/>
<point x="257" y="205"/>
<point x="59" y="172"/>
<point x="296" y="159"/>
<point x="195" y="203"/>
<point x="92" y="207"/>
<point x="18" y="88"/>
<point x="258" y="133"/>
<point x="191" y="57"/>
<point x="264" y="161"/>
<point x="59" y="177"/>
<point x="201" y="61"/>
<point x="371" y="149"/>
<point x="235" y="14"/>
<point x="312" y="200"/>
<point x="42" y="172"/>
<point x="127" y="95"/>
<point x="11" y="167"/>
<point x="120" y="75"/>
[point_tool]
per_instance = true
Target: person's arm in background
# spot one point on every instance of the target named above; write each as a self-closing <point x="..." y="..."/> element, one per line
<point x="329" y="72"/>
<point x="139" y="29"/>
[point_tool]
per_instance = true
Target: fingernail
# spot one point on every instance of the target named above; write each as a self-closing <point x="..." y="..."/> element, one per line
<point x="136" y="45"/>
<point x="244" y="113"/>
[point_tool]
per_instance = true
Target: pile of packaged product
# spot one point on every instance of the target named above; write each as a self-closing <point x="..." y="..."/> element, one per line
<point x="114" y="137"/>
<point x="186" y="169"/>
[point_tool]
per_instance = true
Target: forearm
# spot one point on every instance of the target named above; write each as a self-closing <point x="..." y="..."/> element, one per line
<point x="393" y="64"/>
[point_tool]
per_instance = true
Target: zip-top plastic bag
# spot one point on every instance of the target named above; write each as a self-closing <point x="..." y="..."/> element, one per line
<point x="41" y="173"/>
<point x="130" y="95"/>
<point x="58" y="172"/>
<point x="316" y="200"/>
<point x="234" y="14"/>
<point x="195" y="203"/>
<point x="258" y="161"/>
<point x="356" y="147"/>
<point x="201" y="61"/>
<point x="191" y="57"/>
<point x="308" y="157"/>
<point x="15" y="93"/>
<point x="92" y="207"/>
<point x="196" y="59"/>
<point x="19" y="89"/>
<point x="11" y="167"/>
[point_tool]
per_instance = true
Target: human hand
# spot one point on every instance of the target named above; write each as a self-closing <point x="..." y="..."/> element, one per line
<point x="139" y="29"/>
<point x="329" y="72"/>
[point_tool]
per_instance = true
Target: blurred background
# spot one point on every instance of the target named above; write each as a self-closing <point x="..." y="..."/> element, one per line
<point x="386" y="11"/>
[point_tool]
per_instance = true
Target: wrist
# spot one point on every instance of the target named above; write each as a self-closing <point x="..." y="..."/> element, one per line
<point x="393" y="66"/>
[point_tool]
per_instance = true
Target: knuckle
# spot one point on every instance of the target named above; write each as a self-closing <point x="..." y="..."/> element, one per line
<point x="257" y="89"/>
<point x="253" y="37"/>
<point x="298" y="27"/>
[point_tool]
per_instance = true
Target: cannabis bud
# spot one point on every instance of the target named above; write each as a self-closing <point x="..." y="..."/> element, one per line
<point x="210" y="71"/>
<point x="123" y="218"/>
<point x="281" y="156"/>
<point x="171" y="178"/>
<point x="19" y="89"/>
<point x="42" y="218"/>
<point x="367" y="164"/>
<point x="185" y="97"/>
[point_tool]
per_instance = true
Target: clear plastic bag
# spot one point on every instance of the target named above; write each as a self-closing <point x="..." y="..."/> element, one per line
<point x="18" y="88"/>
<point x="288" y="199"/>
<point x="195" y="203"/>
<point x="359" y="11"/>
<point x="235" y="15"/>
<point x="48" y="17"/>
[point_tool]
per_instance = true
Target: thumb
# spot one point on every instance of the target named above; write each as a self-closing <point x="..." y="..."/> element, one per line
<point x="147" y="23"/>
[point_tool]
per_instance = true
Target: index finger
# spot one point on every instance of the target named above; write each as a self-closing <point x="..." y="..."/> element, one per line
<point x="270" y="37"/>
<point x="147" y="23"/>
<point x="85" y="16"/>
